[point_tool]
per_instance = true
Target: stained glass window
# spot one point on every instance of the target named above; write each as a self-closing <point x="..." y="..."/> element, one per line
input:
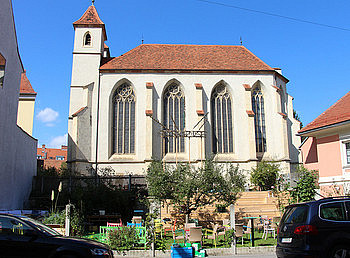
<point x="221" y="106"/>
<point x="124" y="120"/>
<point x="174" y="117"/>
<point x="259" y="119"/>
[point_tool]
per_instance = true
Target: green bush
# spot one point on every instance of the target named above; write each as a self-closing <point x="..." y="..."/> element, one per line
<point x="123" y="238"/>
<point x="76" y="221"/>
<point x="265" y="175"/>
<point x="305" y="189"/>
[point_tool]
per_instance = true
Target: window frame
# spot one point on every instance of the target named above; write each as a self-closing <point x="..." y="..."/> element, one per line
<point x="120" y="125"/>
<point x="88" y="33"/>
<point x="259" y="119"/>
<point x="176" y="144"/>
<point x="343" y="207"/>
<point x="226" y="129"/>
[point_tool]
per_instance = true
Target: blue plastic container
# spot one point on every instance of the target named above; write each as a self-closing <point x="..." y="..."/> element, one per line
<point x="181" y="252"/>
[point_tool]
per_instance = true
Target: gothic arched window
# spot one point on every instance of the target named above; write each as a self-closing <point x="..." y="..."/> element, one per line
<point x="87" y="39"/>
<point x="259" y="119"/>
<point x="221" y="117"/>
<point x="124" y="120"/>
<point x="174" y="116"/>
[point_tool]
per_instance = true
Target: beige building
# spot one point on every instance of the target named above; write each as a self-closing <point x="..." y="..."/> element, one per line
<point x="244" y="102"/>
<point x="27" y="95"/>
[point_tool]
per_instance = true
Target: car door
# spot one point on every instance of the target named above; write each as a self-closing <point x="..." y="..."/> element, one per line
<point x="18" y="239"/>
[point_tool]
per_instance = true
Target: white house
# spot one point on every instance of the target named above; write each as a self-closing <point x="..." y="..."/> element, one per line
<point x="17" y="147"/>
<point x="248" y="113"/>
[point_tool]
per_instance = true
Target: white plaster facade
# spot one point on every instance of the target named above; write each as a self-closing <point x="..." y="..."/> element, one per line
<point x="17" y="148"/>
<point x="91" y="105"/>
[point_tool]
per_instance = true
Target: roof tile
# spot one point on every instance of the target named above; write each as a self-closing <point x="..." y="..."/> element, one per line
<point x="186" y="57"/>
<point x="337" y="113"/>
<point x="26" y="87"/>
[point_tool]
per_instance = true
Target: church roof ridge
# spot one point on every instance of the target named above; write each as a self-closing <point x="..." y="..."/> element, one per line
<point x="189" y="57"/>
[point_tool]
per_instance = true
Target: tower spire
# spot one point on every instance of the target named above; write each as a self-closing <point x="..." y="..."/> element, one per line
<point x="92" y="2"/>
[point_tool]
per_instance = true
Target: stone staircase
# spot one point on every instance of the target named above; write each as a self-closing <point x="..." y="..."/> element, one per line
<point x="257" y="203"/>
<point x="250" y="204"/>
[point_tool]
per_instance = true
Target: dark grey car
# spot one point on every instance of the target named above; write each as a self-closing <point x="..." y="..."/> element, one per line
<point x="24" y="237"/>
<point x="315" y="229"/>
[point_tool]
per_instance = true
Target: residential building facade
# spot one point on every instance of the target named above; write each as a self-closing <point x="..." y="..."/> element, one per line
<point x="51" y="157"/>
<point x="327" y="147"/>
<point x="27" y="95"/>
<point x="153" y="101"/>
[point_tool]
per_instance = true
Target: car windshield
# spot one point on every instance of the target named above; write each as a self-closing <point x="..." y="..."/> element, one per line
<point x="41" y="227"/>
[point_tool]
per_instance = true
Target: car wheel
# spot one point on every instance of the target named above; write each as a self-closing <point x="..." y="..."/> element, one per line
<point x="340" y="251"/>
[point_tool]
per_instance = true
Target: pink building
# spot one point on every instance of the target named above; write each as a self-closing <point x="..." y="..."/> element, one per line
<point x="327" y="147"/>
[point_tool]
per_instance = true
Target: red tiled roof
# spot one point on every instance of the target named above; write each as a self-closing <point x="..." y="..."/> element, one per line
<point x="187" y="57"/>
<point x="51" y="152"/>
<point x="26" y="87"/>
<point x="78" y="112"/>
<point x="90" y="19"/>
<point x="337" y="113"/>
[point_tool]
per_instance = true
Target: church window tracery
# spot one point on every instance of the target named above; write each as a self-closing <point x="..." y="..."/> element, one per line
<point x="124" y="120"/>
<point x="259" y="119"/>
<point x="174" y="116"/>
<point x="222" y="128"/>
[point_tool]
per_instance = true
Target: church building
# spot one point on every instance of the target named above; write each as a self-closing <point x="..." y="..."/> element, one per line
<point x="179" y="103"/>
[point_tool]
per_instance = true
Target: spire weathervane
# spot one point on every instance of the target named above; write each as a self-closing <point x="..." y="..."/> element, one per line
<point x="93" y="2"/>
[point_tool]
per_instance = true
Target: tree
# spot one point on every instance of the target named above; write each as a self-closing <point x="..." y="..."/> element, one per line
<point x="306" y="186"/>
<point x="189" y="188"/>
<point x="265" y="175"/>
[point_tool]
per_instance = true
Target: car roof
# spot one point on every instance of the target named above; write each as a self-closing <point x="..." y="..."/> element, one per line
<point x="14" y="215"/>
<point x="323" y="200"/>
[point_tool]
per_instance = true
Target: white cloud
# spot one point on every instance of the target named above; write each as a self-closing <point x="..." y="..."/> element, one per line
<point x="47" y="116"/>
<point x="58" y="141"/>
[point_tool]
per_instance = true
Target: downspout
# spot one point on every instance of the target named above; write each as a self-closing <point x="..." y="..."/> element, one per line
<point x="97" y="120"/>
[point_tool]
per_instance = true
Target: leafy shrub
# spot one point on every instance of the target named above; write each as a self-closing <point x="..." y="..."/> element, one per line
<point x="76" y="221"/>
<point x="305" y="189"/>
<point x="123" y="238"/>
<point x="265" y="175"/>
<point x="56" y="218"/>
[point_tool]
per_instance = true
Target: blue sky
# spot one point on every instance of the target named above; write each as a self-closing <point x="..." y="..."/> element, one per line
<point x="316" y="59"/>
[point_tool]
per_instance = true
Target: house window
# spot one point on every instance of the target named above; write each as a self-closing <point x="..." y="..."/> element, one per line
<point x="59" y="157"/>
<point x="2" y="70"/>
<point x="124" y="120"/>
<point x="259" y="119"/>
<point x="87" y="39"/>
<point x="221" y="106"/>
<point x="174" y="117"/>
<point x="39" y="157"/>
<point x="347" y="151"/>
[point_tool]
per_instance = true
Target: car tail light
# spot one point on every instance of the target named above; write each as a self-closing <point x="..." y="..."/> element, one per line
<point x="278" y="230"/>
<point x="306" y="230"/>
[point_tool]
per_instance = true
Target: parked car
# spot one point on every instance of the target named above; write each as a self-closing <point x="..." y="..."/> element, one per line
<point x="315" y="229"/>
<point x="21" y="236"/>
